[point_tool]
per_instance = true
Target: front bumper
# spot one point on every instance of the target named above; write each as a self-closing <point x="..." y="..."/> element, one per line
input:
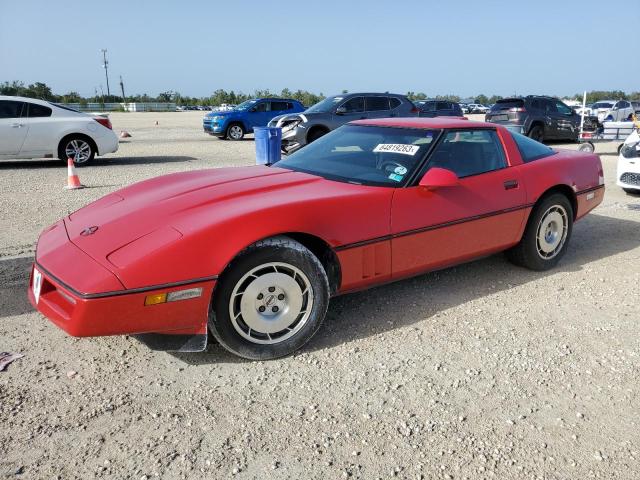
<point x="294" y="139"/>
<point x="628" y="173"/>
<point x="119" y="313"/>
<point x="213" y="128"/>
<point x="84" y="299"/>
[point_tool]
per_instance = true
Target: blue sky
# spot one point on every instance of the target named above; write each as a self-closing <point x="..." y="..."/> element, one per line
<point x="437" y="47"/>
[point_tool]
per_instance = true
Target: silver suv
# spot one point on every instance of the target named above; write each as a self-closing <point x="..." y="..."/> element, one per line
<point x="302" y="128"/>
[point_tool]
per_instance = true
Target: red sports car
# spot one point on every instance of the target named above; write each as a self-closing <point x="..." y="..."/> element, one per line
<point x="253" y="254"/>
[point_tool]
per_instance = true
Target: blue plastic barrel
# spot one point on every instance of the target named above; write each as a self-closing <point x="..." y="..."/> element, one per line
<point x="268" y="140"/>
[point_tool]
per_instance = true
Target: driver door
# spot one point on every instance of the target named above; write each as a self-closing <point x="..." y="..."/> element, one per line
<point x="13" y="126"/>
<point x="483" y="214"/>
<point x="352" y="109"/>
<point x="258" y="115"/>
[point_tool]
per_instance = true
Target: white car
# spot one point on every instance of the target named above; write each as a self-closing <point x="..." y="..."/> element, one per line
<point x="477" y="108"/>
<point x="628" y="175"/>
<point x="612" y="110"/>
<point x="31" y="128"/>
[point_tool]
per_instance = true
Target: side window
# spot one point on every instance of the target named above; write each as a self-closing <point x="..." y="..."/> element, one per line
<point x="10" y="109"/>
<point x="38" y="110"/>
<point x="394" y="102"/>
<point x="537" y="104"/>
<point x="375" y="104"/>
<point x="278" y="106"/>
<point x="262" y="107"/>
<point x="429" y="107"/>
<point x="531" y="150"/>
<point x="562" y="108"/>
<point x="353" y="105"/>
<point x="549" y="106"/>
<point x="469" y="152"/>
<point x="443" y="106"/>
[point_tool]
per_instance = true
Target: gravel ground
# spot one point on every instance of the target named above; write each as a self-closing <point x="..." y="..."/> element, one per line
<point x="479" y="371"/>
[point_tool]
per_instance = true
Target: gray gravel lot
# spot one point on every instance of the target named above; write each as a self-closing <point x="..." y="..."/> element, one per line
<point x="479" y="371"/>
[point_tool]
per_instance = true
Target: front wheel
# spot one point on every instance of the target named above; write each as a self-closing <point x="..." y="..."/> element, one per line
<point x="546" y="235"/>
<point x="271" y="300"/>
<point x="235" y="132"/>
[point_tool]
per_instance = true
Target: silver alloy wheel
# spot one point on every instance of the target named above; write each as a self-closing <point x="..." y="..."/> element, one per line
<point x="271" y="303"/>
<point x="78" y="150"/>
<point x="552" y="232"/>
<point x="235" y="132"/>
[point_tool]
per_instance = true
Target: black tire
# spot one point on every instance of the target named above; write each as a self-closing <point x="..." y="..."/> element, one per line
<point x="315" y="134"/>
<point x="78" y="147"/>
<point x="528" y="253"/>
<point x="587" y="147"/>
<point x="252" y="266"/>
<point x="235" y="131"/>
<point x="536" y="133"/>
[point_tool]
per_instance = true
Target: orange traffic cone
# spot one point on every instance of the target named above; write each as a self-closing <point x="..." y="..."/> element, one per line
<point x="73" y="182"/>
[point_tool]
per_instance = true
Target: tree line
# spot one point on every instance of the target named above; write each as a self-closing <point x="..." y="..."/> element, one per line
<point x="43" y="91"/>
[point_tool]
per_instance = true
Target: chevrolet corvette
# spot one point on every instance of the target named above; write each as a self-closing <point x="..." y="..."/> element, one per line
<point x="252" y="255"/>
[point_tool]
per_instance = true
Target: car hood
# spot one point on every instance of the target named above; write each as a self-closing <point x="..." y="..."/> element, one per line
<point x="221" y="114"/>
<point x="160" y="211"/>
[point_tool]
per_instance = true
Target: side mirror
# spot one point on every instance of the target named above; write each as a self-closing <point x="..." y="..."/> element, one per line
<point x="439" y="178"/>
<point x="341" y="110"/>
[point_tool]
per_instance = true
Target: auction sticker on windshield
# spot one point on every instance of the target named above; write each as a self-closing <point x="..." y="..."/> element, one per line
<point x="397" y="148"/>
<point x="37" y="284"/>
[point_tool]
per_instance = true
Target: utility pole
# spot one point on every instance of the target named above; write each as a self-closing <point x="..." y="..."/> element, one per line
<point x="105" y="65"/>
<point x="122" y="88"/>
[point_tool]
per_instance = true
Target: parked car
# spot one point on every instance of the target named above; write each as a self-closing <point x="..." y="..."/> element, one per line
<point x="438" y="108"/>
<point x="31" y="128"/>
<point x="538" y="117"/>
<point x="235" y="124"/>
<point x="332" y="112"/>
<point x="262" y="249"/>
<point x="628" y="171"/>
<point x="465" y="108"/>
<point x="477" y="108"/>
<point x="612" y="110"/>
<point x="636" y="107"/>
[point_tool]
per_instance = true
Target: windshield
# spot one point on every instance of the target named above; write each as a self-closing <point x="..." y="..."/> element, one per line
<point x="379" y="156"/>
<point x="326" y="105"/>
<point x="246" y="105"/>
<point x="602" y="105"/>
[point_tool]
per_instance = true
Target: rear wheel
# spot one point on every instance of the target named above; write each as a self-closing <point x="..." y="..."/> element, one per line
<point x="235" y="132"/>
<point x="271" y="300"/>
<point x="78" y="148"/>
<point x="537" y="133"/>
<point x="587" y="147"/>
<point x="546" y="235"/>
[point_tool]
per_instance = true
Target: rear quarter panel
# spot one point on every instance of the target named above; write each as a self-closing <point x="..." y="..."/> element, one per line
<point x="582" y="172"/>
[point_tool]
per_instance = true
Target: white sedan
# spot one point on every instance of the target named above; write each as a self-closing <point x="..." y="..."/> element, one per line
<point x="31" y="128"/>
<point x="628" y="175"/>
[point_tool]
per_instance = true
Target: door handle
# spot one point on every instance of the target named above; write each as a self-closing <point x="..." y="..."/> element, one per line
<point x="510" y="184"/>
<point x="17" y="125"/>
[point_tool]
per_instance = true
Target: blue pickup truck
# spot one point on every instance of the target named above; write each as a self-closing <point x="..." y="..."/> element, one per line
<point x="236" y="123"/>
